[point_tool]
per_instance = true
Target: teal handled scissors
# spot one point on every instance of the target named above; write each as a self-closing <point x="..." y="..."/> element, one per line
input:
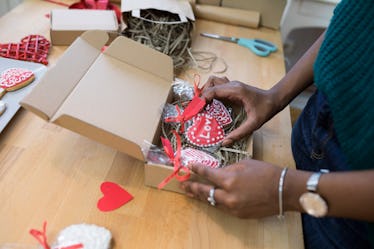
<point x="258" y="46"/>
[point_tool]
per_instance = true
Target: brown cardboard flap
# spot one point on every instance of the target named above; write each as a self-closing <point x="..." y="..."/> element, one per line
<point x="115" y="97"/>
<point x="154" y="62"/>
<point x="60" y="80"/>
<point x="119" y="98"/>
<point x="100" y="135"/>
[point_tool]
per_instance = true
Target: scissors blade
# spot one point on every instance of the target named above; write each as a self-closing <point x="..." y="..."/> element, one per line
<point x="220" y="37"/>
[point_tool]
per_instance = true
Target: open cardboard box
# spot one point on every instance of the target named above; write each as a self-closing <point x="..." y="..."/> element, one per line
<point x="114" y="97"/>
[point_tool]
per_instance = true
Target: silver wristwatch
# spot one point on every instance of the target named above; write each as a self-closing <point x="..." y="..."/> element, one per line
<point x="311" y="201"/>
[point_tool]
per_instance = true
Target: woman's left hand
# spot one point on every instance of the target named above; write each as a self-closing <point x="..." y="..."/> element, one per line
<point x="247" y="189"/>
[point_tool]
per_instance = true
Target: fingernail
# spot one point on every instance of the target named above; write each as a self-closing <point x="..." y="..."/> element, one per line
<point x="226" y="142"/>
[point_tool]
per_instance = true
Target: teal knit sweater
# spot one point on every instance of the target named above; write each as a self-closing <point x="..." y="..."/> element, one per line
<point x="344" y="72"/>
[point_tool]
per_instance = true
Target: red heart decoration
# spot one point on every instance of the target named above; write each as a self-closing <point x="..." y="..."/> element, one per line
<point x="205" y="131"/>
<point x="190" y="155"/>
<point x="114" y="197"/>
<point x="32" y="48"/>
<point x="219" y="112"/>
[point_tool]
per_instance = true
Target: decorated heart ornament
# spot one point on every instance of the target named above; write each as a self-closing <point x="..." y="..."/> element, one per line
<point x="205" y="131"/>
<point x="190" y="156"/>
<point x="219" y="111"/>
<point x="32" y="48"/>
<point x="15" y="78"/>
<point x="114" y="197"/>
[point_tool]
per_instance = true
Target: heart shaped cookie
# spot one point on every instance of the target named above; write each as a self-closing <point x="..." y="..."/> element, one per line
<point x="205" y="131"/>
<point x="114" y="196"/>
<point x="190" y="155"/>
<point x="13" y="79"/>
<point x="32" y="48"/>
<point x="219" y="111"/>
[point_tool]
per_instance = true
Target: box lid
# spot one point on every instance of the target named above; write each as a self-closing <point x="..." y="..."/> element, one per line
<point x="114" y="97"/>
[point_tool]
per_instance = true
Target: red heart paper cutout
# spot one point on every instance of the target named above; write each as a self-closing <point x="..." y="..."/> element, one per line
<point x="32" y="48"/>
<point x="190" y="155"/>
<point x="205" y="131"/>
<point x="114" y="197"/>
<point x="219" y="112"/>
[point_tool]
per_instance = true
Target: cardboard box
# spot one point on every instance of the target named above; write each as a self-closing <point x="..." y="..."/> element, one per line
<point x="271" y="10"/>
<point x="113" y="97"/>
<point x="68" y="24"/>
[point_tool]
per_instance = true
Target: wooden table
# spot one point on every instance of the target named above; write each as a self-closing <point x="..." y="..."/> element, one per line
<point x="50" y="173"/>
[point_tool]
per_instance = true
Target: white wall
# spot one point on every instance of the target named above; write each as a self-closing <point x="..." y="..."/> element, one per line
<point x="6" y="5"/>
<point x="306" y="13"/>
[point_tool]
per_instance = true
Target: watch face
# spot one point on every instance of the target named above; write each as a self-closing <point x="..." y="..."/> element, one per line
<point x="313" y="204"/>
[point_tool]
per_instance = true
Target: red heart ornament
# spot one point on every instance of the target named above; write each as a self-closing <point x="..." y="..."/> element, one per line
<point x="219" y="111"/>
<point x="205" y="131"/>
<point x="114" y="197"/>
<point x="190" y="155"/>
<point x="32" y="48"/>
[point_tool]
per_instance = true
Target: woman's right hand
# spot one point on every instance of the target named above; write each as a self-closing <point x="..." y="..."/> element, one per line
<point x="260" y="105"/>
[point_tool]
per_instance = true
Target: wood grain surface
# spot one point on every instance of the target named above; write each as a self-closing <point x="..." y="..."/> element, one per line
<point x="50" y="173"/>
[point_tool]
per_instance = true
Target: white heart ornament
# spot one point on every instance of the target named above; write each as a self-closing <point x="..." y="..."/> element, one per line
<point x="190" y="155"/>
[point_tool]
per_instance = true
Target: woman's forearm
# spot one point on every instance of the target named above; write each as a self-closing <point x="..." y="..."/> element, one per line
<point x="348" y="194"/>
<point x="298" y="78"/>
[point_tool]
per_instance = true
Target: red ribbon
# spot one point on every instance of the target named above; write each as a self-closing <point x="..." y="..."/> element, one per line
<point x="196" y="83"/>
<point x="176" y="160"/>
<point x="41" y="237"/>
<point x="193" y="108"/>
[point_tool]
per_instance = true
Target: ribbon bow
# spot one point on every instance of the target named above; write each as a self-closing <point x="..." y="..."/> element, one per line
<point x="176" y="160"/>
<point x="41" y="237"/>
<point x="193" y="108"/>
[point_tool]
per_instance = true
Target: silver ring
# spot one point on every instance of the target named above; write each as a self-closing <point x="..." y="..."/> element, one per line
<point x="211" y="199"/>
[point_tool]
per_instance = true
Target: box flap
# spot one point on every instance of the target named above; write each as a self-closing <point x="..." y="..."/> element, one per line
<point x="60" y="80"/>
<point x="117" y="99"/>
<point x="142" y="57"/>
<point x="179" y="7"/>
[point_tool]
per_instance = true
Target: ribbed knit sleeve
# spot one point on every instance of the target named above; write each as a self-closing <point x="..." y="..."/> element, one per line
<point x="344" y="72"/>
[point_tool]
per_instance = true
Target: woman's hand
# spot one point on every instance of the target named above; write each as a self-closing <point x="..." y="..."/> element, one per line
<point x="247" y="189"/>
<point x="259" y="105"/>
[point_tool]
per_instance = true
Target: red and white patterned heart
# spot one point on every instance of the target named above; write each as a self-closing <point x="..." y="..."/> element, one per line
<point x="219" y="111"/>
<point x="205" y="131"/>
<point x="32" y="48"/>
<point x="15" y="78"/>
<point x="190" y="155"/>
